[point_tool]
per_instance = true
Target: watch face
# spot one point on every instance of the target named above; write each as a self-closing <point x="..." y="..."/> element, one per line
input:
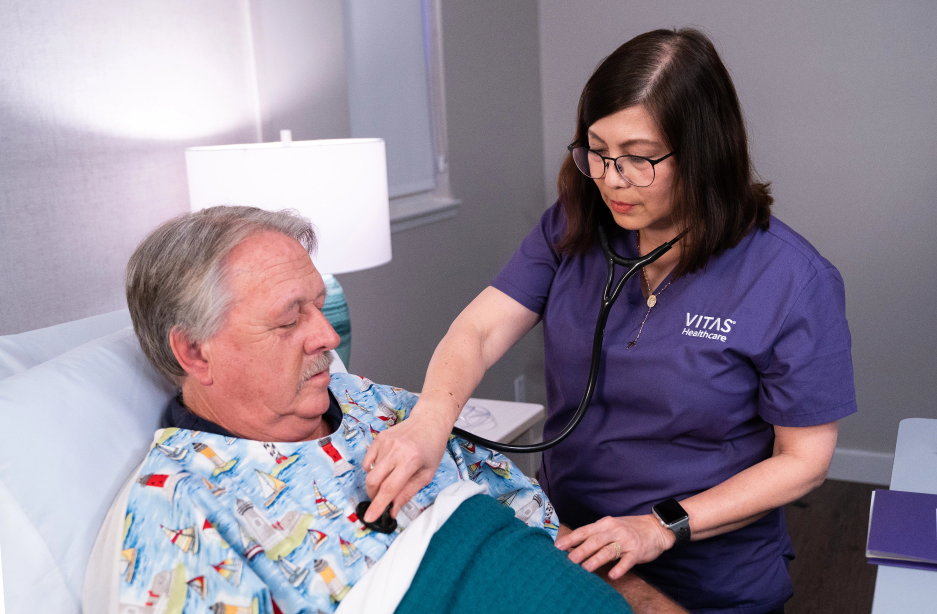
<point x="670" y="511"/>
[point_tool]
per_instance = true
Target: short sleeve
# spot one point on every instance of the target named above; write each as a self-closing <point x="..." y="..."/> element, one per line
<point x="528" y="275"/>
<point x="808" y="377"/>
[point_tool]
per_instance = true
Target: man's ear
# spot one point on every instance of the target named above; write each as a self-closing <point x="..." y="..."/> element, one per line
<point x="191" y="356"/>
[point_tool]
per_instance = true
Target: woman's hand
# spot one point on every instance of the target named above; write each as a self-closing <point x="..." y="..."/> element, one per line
<point x="404" y="458"/>
<point x="640" y="538"/>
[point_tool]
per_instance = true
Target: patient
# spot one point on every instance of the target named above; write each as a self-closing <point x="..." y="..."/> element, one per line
<point x="248" y="500"/>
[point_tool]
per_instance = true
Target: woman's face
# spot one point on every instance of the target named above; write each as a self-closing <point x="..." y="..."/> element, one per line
<point x="631" y="131"/>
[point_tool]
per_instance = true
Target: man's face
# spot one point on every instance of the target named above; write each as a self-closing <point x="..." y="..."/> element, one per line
<point x="269" y="361"/>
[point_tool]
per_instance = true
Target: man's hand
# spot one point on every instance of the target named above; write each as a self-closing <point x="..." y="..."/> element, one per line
<point x="640" y="538"/>
<point x="404" y="458"/>
<point x="641" y="596"/>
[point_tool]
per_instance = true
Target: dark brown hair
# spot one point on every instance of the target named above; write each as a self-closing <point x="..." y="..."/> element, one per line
<point x="679" y="78"/>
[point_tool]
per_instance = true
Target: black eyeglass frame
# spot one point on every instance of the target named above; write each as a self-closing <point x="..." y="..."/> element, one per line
<point x="614" y="161"/>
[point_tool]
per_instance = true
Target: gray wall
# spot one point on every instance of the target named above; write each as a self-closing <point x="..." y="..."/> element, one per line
<point x="400" y="311"/>
<point x="840" y="102"/>
<point x="99" y="99"/>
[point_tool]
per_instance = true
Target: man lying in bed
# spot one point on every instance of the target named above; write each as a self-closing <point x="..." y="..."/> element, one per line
<point x="226" y="303"/>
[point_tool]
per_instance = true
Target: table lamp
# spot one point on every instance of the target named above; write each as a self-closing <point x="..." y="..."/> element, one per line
<point x="340" y="185"/>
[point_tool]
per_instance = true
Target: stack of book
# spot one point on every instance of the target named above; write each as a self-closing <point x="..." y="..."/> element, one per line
<point x="903" y="529"/>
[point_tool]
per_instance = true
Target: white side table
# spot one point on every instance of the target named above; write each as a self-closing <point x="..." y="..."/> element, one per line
<point x="506" y="422"/>
<point x="899" y="590"/>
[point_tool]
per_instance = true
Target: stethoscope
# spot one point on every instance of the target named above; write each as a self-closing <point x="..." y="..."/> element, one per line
<point x="609" y="296"/>
<point x="386" y="524"/>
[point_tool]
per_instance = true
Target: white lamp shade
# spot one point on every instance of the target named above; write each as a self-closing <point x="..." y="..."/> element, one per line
<point x="340" y="185"/>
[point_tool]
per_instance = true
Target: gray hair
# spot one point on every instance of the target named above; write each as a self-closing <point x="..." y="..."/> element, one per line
<point x="176" y="277"/>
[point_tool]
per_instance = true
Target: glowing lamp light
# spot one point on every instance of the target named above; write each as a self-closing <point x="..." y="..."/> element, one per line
<point x="340" y="185"/>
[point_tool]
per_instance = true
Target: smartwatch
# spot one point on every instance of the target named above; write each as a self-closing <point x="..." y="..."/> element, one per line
<point x="672" y="515"/>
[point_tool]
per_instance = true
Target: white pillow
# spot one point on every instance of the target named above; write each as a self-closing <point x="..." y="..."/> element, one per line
<point x="71" y="430"/>
<point x="26" y="350"/>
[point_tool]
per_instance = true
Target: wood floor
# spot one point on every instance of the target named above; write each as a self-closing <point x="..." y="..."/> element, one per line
<point x="829" y="528"/>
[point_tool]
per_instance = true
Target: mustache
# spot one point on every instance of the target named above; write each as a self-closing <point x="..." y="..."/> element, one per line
<point x="319" y="364"/>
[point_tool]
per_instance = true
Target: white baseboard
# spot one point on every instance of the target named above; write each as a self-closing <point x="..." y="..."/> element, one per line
<point x="861" y="466"/>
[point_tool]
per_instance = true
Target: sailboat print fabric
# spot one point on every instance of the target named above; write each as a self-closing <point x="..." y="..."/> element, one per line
<point x="235" y="526"/>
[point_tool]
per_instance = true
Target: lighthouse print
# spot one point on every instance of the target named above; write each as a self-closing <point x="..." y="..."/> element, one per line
<point x="408" y="513"/>
<point x="337" y="588"/>
<point x="221" y="465"/>
<point x="165" y="483"/>
<point x="221" y="607"/>
<point x="257" y="526"/>
<point x="211" y="532"/>
<point x="282" y="461"/>
<point x="548" y="518"/>
<point x="339" y="465"/>
<point x="528" y="509"/>
<point x="360" y="529"/>
<point x="251" y="546"/>
<point x="167" y="594"/>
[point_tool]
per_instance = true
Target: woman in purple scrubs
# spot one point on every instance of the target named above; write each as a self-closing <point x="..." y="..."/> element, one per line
<point x="726" y="363"/>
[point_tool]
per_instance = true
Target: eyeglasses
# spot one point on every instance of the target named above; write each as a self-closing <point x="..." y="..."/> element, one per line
<point x="636" y="170"/>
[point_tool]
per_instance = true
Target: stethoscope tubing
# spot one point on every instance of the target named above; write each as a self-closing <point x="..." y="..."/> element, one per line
<point x="609" y="296"/>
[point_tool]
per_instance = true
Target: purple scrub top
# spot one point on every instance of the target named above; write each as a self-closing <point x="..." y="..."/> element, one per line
<point x="758" y="338"/>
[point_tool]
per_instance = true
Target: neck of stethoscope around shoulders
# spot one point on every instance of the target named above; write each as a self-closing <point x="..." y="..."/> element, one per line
<point x="609" y="296"/>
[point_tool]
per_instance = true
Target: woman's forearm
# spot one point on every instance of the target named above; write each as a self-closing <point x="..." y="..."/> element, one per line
<point x="455" y="370"/>
<point x="482" y="333"/>
<point x="800" y="463"/>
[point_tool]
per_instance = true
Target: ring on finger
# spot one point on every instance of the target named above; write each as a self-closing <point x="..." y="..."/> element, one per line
<point x="372" y="466"/>
<point x="617" y="549"/>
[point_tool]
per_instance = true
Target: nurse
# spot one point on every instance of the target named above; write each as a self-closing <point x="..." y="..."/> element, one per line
<point x="726" y="364"/>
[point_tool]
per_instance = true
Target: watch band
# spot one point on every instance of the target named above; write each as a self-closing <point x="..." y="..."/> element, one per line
<point x="672" y="515"/>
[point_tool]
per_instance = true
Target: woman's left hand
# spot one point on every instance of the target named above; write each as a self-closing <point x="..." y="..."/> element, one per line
<point x="639" y="538"/>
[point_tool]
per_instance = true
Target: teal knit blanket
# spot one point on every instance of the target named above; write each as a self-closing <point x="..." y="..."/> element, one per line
<point x="485" y="560"/>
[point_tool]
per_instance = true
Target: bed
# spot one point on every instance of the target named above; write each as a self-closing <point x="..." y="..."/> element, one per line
<point x="62" y="387"/>
<point x="58" y="386"/>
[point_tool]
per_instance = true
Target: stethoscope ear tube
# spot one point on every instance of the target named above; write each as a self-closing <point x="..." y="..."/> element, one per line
<point x="609" y="296"/>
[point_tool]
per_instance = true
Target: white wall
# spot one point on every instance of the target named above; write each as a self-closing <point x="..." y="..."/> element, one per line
<point x="300" y="63"/>
<point x="840" y="102"/>
<point x="98" y="100"/>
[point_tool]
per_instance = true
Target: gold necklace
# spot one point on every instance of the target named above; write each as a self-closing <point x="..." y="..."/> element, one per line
<point x="651" y="298"/>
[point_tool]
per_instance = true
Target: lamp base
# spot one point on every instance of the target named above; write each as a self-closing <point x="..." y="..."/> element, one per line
<point x="336" y="312"/>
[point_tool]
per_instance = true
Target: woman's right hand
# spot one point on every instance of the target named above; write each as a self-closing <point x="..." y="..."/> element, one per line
<point x="404" y="458"/>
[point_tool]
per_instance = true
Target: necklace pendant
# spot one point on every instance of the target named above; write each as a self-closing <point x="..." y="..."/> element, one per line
<point x="651" y="301"/>
<point x="631" y="344"/>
